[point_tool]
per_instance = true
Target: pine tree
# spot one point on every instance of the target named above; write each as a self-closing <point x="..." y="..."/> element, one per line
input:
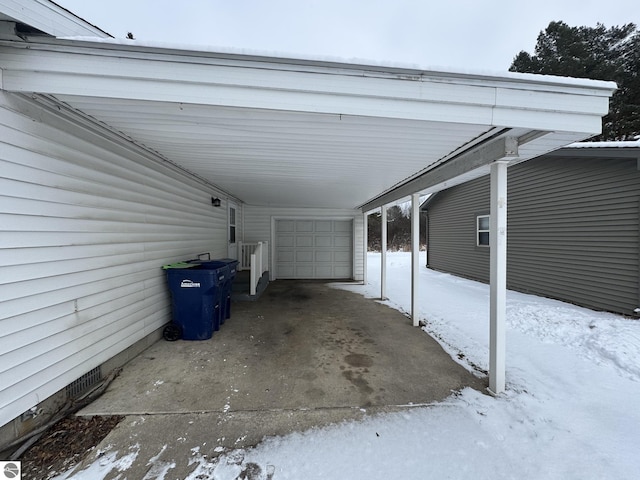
<point x="598" y="53"/>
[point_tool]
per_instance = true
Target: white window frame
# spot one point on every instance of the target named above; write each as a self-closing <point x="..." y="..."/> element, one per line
<point x="482" y="230"/>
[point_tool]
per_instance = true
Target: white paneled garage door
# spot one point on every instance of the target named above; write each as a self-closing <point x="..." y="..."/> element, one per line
<point x="314" y="249"/>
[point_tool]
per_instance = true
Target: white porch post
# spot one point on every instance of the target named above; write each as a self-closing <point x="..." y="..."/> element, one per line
<point x="498" y="277"/>
<point x="365" y="234"/>
<point x="383" y="256"/>
<point x="415" y="257"/>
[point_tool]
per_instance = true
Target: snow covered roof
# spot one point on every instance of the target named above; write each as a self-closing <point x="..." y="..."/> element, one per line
<point x="628" y="144"/>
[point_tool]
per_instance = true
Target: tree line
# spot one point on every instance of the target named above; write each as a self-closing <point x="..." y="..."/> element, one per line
<point x="398" y="230"/>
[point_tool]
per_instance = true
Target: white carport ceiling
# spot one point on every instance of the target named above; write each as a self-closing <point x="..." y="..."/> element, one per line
<point x="283" y="158"/>
<point x="273" y="131"/>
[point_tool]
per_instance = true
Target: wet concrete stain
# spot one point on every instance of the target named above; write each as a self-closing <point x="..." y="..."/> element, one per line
<point x="292" y="293"/>
<point x="359" y="360"/>
<point x="358" y="381"/>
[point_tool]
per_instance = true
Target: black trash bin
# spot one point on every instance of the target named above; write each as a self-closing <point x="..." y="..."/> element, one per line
<point x="196" y="294"/>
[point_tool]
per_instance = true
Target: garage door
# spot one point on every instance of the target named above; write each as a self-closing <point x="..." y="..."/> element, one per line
<point x="314" y="249"/>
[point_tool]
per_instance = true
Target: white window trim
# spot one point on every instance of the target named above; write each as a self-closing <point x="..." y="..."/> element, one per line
<point x="479" y="231"/>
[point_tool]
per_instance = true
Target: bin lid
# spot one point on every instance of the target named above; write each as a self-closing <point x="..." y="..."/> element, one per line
<point x="228" y="261"/>
<point x="179" y="265"/>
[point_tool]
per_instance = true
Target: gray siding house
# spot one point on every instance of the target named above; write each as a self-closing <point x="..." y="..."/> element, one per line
<point x="573" y="227"/>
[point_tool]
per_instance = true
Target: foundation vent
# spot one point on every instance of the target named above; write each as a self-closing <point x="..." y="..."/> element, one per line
<point x="84" y="383"/>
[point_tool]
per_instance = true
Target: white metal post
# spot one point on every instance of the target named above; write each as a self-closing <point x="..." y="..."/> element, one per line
<point x="415" y="257"/>
<point x="365" y="234"/>
<point x="383" y="256"/>
<point x="498" y="277"/>
<point x="252" y="276"/>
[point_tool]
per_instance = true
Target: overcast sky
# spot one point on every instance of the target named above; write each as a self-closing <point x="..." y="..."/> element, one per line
<point x="463" y="34"/>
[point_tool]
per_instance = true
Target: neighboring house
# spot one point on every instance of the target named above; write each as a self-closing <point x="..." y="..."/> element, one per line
<point x="573" y="227"/>
<point x="117" y="157"/>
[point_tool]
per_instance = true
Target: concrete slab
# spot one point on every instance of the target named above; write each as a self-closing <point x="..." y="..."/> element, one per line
<point x="303" y="355"/>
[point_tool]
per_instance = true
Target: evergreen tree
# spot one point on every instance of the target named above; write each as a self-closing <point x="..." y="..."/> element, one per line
<point x="598" y="53"/>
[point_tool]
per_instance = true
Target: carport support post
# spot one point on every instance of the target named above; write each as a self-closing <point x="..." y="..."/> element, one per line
<point x="383" y="250"/>
<point x="415" y="257"/>
<point x="498" y="277"/>
<point x="365" y="236"/>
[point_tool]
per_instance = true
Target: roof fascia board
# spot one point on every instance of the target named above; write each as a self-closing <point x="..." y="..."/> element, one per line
<point x="502" y="148"/>
<point x="140" y="50"/>
<point x="50" y="18"/>
<point x="425" y="205"/>
<point x="601" y="152"/>
<point x="40" y="69"/>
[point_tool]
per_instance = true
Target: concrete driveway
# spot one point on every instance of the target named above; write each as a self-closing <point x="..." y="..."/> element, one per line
<point x="303" y="355"/>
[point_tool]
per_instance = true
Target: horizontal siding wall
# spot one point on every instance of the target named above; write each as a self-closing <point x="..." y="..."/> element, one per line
<point x="452" y="230"/>
<point x="257" y="227"/>
<point x="86" y="225"/>
<point x="573" y="231"/>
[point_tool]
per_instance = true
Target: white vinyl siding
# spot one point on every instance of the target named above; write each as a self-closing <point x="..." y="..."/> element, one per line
<point x="86" y="226"/>
<point x="259" y="222"/>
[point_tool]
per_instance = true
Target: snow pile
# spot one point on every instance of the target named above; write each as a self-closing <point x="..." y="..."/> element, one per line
<point x="106" y="464"/>
<point x="600" y="337"/>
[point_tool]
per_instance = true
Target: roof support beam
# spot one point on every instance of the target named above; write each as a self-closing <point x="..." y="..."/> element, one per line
<point x="443" y="176"/>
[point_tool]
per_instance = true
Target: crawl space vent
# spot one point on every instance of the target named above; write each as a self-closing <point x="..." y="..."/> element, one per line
<point x="84" y="383"/>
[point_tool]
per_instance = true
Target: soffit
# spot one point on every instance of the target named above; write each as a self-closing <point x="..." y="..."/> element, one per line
<point x="281" y="158"/>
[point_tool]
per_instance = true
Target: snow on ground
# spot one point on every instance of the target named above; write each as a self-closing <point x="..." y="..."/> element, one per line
<point x="570" y="412"/>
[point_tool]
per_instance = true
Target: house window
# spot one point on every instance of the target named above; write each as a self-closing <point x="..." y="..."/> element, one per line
<point x="232" y="225"/>
<point x="482" y="227"/>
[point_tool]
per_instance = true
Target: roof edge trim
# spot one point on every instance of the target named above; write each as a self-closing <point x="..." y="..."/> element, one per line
<point x="409" y="72"/>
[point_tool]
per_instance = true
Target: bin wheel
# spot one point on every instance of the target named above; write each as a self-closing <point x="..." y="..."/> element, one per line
<point x="172" y="332"/>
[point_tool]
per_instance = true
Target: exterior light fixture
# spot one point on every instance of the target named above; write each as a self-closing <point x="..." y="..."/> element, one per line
<point x="215" y="202"/>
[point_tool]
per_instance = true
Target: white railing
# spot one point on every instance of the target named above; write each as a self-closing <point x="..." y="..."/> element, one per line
<point x="254" y="256"/>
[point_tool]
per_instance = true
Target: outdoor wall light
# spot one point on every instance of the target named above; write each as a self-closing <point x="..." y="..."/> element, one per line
<point x="215" y="202"/>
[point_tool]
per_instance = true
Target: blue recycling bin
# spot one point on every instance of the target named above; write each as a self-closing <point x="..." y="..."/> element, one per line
<point x="231" y="267"/>
<point x="196" y="294"/>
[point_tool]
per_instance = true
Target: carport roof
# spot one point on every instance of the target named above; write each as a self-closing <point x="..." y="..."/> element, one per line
<point x="277" y="131"/>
